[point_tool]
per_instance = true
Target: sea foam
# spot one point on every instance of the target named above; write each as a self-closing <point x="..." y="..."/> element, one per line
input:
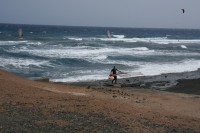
<point x="21" y="63"/>
<point x="119" y="36"/>
<point x="12" y="42"/>
<point x="183" y="46"/>
<point x="157" y="40"/>
<point x="172" y="67"/>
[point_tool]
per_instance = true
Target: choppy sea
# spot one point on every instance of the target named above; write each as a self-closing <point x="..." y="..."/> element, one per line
<point x="68" y="54"/>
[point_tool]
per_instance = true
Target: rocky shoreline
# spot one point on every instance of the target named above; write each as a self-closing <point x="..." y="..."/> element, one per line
<point x="169" y="81"/>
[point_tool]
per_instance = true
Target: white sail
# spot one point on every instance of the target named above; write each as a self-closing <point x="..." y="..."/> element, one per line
<point x="109" y="34"/>
<point x="20" y="33"/>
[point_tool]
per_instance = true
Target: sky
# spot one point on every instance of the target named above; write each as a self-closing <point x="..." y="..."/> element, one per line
<point x="103" y="13"/>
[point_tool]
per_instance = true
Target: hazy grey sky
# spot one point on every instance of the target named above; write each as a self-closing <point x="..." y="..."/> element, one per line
<point x="114" y="13"/>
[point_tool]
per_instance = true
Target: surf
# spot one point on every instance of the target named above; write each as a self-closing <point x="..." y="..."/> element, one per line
<point x="86" y="53"/>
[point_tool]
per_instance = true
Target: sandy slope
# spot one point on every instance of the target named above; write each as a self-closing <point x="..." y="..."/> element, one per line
<point x="33" y="106"/>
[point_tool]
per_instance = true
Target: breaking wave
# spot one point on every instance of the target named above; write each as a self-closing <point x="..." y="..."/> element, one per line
<point x="158" y="40"/>
<point x="21" y="63"/>
<point x="12" y="42"/>
<point x="119" y="36"/>
<point x="155" y="40"/>
<point x="82" y="53"/>
<point x="183" y="46"/>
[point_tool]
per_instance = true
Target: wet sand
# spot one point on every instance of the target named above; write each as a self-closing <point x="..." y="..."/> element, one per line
<point x="41" y="106"/>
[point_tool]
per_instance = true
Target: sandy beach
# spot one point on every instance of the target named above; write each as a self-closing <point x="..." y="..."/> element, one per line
<point x="40" y="106"/>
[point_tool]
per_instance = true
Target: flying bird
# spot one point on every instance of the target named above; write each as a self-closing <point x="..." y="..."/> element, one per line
<point x="183" y="10"/>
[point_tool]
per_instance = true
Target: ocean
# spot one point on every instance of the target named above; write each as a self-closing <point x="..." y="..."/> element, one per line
<point x="73" y="54"/>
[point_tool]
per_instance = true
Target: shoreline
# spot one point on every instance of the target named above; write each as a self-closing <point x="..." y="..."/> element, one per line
<point x="174" y="82"/>
<point x="183" y="82"/>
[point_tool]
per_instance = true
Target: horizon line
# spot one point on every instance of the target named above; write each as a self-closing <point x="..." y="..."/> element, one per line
<point x="99" y="26"/>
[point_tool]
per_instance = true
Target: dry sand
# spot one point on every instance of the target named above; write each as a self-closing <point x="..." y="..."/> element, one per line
<point x="34" y="106"/>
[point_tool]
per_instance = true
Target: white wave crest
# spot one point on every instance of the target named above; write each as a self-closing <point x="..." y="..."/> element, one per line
<point x="157" y="40"/>
<point x="119" y="39"/>
<point x="20" y="42"/>
<point x="146" y="69"/>
<point x="86" y="75"/>
<point x="21" y="63"/>
<point x="150" y="69"/>
<point x="34" y="43"/>
<point x="70" y="52"/>
<point x="183" y="46"/>
<point x="80" y="78"/>
<point x="76" y="39"/>
<point x="91" y="54"/>
<point x="12" y="42"/>
<point x="119" y="36"/>
<point x="173" y="67"/>
<point x="140" y="48"/>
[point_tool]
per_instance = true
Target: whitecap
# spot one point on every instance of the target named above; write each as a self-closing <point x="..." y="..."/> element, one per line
<point x="157" y="40"/>
<point x="69" y="52"/>
<point x="119" y="39"/>
<point x="140" y="48"/>
<point x="100" y="57"/>
<point x="151" y="69"/>
<point x="172" y="67"/>
<point x="82" y="75"/>
<point x="143" y="68"/>
<point x="12" y="42"/>
<point x="79" y="78"/>
<point x="119" y="36"/>
<point x="183" y="46"/>
<point x="21" y="63"/>
<point x="34" y="43"/>
<point x="76" y="39"/>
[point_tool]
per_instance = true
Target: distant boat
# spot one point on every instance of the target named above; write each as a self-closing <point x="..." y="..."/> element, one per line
<point x="109" y="35"/>
<point x="20" y="33"/>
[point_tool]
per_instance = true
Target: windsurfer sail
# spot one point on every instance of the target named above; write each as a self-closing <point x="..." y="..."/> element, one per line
<point x="20" y="33"/>
<point x="109" y="35"/>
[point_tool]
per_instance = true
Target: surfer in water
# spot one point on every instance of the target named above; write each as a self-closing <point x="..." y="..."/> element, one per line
<point x="114" y="74"/>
